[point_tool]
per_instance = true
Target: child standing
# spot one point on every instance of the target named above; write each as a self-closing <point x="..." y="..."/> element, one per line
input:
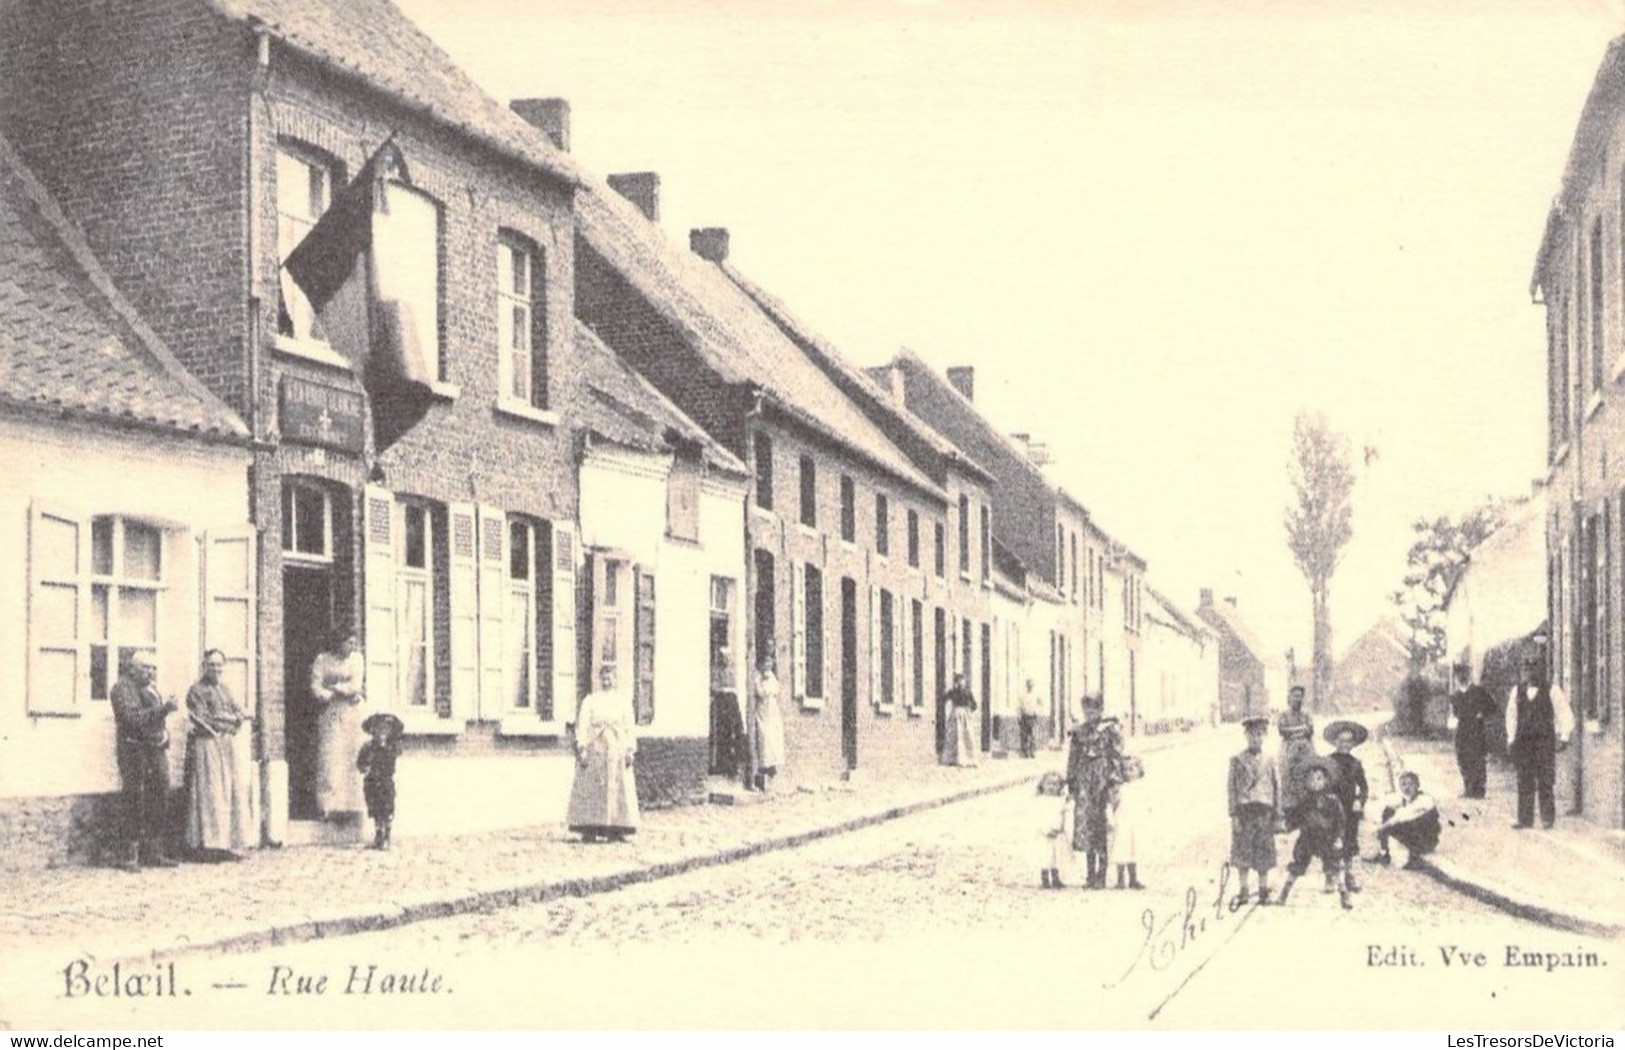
<point x="1351" y="789"/>
<point x="377" y="765"/>
<point x="1126" y="826"/>
<point x="1255" y="803"/>
<point x="1318" y="818"/>
<point x="1053" y="813"/>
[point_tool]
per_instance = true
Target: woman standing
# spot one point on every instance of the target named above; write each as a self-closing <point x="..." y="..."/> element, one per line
<point x="604" y="796"/>
<point x="769" y="725"/>
<point x="959" y="747"/>
<point x="1297" y="731"/>
<point x="337" y="681"/>
<point x="1094" y="768"/>
<point x="219" y="818"/>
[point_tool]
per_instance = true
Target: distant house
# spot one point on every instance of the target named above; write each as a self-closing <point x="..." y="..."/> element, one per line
<point x="1500" y="596"/>
<point x="1243" y="666"/>
<point x="1371" y="670"/>
<point x="1182" y="653"/>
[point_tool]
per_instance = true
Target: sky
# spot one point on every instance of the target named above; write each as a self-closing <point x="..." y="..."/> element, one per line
<point x="1157" y="230"/>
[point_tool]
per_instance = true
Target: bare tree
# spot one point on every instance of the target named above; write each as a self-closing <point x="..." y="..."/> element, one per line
<point x="1319" y="524"/>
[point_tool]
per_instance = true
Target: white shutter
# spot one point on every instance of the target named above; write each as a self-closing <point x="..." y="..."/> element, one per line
<point x="58" y="610"/>
<point x="875" y="695"/>
<point x="462" y="552"/>
<point x="563" y="708"/>
<point x="380" y="520"/>
<point x="226" y="576"/>
<point x="496" y="672"/>
<point x="798" y="631"/>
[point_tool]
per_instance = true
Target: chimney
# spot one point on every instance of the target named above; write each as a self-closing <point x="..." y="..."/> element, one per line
<point x="1025" y="439"/>
<point x="890" y="379"/>
<point x="963" y="379"/>
<point x="1230" y="600"/>
<point x="1207" y="599"/>
<point x="641" y="188"/>
<point x="1038" y="452"/>
<point x="551" y="116"/>
<point x="710" y="243"/>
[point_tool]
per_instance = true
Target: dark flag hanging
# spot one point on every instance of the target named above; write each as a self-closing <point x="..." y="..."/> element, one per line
<point x="361" y="266"/>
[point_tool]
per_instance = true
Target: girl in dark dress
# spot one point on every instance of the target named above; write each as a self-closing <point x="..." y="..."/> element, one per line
<point x="377" y="765"/>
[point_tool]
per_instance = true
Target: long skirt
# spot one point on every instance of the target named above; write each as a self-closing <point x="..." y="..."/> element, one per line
<point x="604" y="796"/>
<point x="1252" y="838"/>
<point x="1091" y="830"/>
<point x="960" y="747"/>
<point x="1293" y="755"/>
<point x="769" y="734"/>
<point x="338" y="741"/>
<point x="219" y="814"/>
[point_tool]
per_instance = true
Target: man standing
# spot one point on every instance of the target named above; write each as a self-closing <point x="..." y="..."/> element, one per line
<point x="1031" y="708"/>
<point x="1473" y="707"/>
<point x="1538" y="725"/>
<point x="143" y="761"/>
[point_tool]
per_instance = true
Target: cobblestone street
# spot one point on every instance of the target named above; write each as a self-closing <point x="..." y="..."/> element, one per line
<point x="937" y="919"/>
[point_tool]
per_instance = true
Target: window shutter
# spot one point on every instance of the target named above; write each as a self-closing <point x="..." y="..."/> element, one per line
<point x="875" y="696"/>
<point x="226" y="579"/>
<point x="565" y="654"/>
<point x="462" y="546"/>
<point x="380" y="522"/>
<point x="59" y="605"/>
<point x="643" y="647"/>
<point x="487" y="674"/>
<point x="904" y="663"/>
<point x="798" y="631"/>
<point x="956" y="657"/>
<point x="898" y="673"/>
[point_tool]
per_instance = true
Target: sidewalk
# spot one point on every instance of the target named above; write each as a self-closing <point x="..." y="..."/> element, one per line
<point x="298" y="894"/>
<point x="1571" y="877"/>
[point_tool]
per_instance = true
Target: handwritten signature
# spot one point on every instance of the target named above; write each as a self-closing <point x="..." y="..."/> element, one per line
<point x="1167" y="936"/>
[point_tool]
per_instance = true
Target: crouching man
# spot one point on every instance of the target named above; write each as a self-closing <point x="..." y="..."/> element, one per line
<point x="1410" y="817"/>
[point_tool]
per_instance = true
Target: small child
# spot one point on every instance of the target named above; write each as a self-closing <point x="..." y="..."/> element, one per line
<point x="1352" y="790"/>
<point x="376" y="762"/>
<point x="1255" y="802"/>
<point x="1318" y="818"/>
<point x="1053" y="811"/>
<point x="1126" y="826"/>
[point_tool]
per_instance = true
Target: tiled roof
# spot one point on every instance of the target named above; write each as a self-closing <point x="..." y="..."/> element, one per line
<point x="69" y="342"/>
<point x="728" y="330"/>
<point x="1227" y="615"/>
<point x="829" y="358"/>
<point x="615" y="402"/>
<point x="374" y="41"/>
<point x="1177" y="617"/>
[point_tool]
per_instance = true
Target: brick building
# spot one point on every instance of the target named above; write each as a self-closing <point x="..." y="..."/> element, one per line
<point x="1579" y="278"/>
<point x="197" y="141"/>
<point x="124" y="527"/>
<point x="869" y="575"/>
<point x="1243" y="665"/>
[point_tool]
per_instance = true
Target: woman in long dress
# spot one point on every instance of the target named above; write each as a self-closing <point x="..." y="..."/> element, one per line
<point x="604" y="795"/>
<point x="1297" y="731"/>
<point x="1094" y="768"/>
<point x="959" y="747"/>
<point x="769" y="725"/>
<point x="337" y="681"/>
<point x="219" y="817"/>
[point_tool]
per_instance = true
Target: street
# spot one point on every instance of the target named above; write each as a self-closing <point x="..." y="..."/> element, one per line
<point x="935" y="920"/>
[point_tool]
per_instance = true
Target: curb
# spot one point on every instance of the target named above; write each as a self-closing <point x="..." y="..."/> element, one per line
<point x="1448" y="876"/>
<point x="372" y="918"/>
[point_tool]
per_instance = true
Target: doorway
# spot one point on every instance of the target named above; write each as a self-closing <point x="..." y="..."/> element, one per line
<point x="940" y="658"/>
<point x="849" y="671"/>
<point x="307" y="627"/>
<point x="987" y="687"/>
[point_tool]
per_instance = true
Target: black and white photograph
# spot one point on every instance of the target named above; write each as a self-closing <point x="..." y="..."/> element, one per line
<point x="825" y="514"/>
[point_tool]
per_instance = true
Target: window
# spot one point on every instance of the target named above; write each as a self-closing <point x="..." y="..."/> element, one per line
<point x="964" y="535"/>
<point x="882" y="525"/>
<point x="941" y="548"/>
<point x="913" y="538"/>
<point x="813" y="597"/>
<point x="987" y="544"/>
<point x="809" y="494"/>
<point x="916" y="635"/>
<point x="414" y="576"/>
<point x="1594" y="272"/>
<point x="643" y="693"/>
<point x="1557" y="352"/>
<point x="1072" y="553"/>
<point x="522" y="339"/>
<point x="1089" y="578"/>
<point x="849" y="510"/>
<point x="304" y="186"/>
<point x="607" y="637"/>
<point x="406" y="265"/>
<point x="764" y="471"/>
<point x="888" y="668"/>
<point x="1060" y="558"/>
<point x="526" y="557"/>
<point x="126" y="578"/>
<point x="965" y="642"/>
<point x="307" y="522"/>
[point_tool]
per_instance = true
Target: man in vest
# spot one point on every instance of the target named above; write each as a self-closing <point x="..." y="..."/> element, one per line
<point x="1538" y="725"/>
